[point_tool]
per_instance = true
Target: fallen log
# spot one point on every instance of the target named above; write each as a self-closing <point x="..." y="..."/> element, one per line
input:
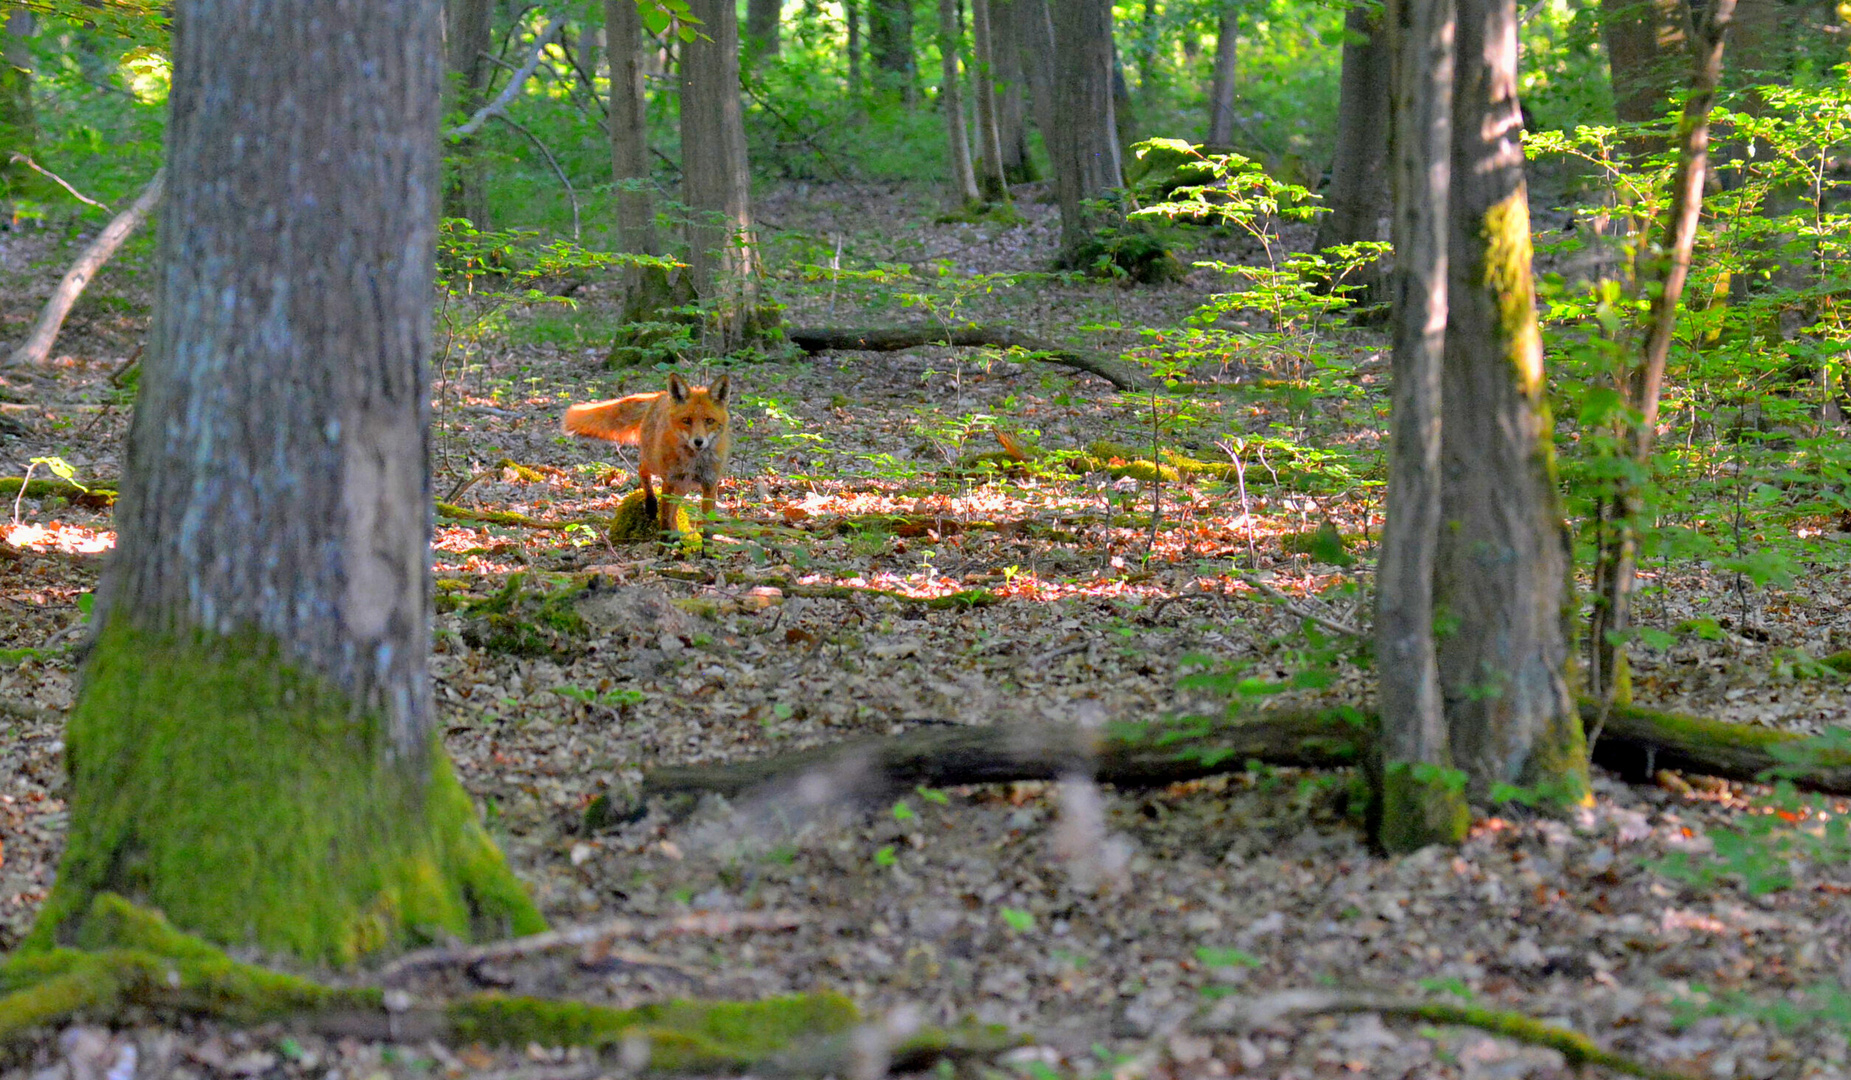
<point x="894" y="338"/>
<point x="1635" y="744"/>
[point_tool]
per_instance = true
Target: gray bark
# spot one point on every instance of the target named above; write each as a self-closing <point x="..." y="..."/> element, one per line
<point x="1221" y="93"/>
<point x="1645" y="42"/>
<point x="277" y="477"/>
<point x="1035" y="35"/>
<point x="992" y="178"/>
<point x="1011" y="102"/>
<point x="1088" y="165"/>
<point x="1357" y="198"/>
<point x="468" y="34"/>
<point x="1502" y="570"/>
<point x="951" y="103"/>
<point x="1408" y="688"/>
<point x="716" y="183"/>
<point x="630" y="164"/>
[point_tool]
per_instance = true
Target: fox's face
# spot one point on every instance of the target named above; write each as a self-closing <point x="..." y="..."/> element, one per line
<point x="697" y="414"/>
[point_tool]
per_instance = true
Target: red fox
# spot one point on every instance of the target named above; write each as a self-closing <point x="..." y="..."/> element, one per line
<point x="683" y="435"/>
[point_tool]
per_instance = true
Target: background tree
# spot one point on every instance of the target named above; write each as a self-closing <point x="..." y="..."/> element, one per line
<point x="890" y="40"/>
<point x="1010" y="78"/>
<point x="18" y="124"/>
<point x="469" y="39"/>
<point x="1086" y="155"/>
<point x="1645" y="42"/>
<point x="762" y="18"/>
<point x="992" y="179"/>
<point x="259" y="671"/>
<point x="631" y="164"/>
<point x="1356" y="196"/>
<point x="716" y="180"/>
<point x="1221" y="91"/>
<point x="951" y="105"/>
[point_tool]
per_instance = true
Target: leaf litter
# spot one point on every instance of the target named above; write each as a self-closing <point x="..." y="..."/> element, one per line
<point x="1102" y="922"/>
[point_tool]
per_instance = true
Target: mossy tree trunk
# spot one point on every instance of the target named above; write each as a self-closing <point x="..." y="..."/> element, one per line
<point x="1087" y="165"/>
<point x="1502" y="574"/>
<point x="716" y="184"/>
<point x="468" y="37"/>
<point x="252" y="748"/>
<point x="1417" y="802"/>
<point x="951" y="104"/>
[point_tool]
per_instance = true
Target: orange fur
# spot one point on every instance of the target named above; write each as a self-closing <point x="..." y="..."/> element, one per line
<point x="683" y="434"/>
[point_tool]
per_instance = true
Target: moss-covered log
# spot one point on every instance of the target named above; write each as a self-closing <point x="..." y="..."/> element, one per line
<point x="255" y="804"/>
<point x="97" y="498"/>
<point x="817" y="339"/>
<point x="1635" y="742"/>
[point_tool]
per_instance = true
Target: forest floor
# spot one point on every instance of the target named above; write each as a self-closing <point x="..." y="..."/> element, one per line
<point x="1104" y="924"/>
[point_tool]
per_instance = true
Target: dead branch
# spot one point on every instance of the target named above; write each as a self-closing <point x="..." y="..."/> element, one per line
<point x="600" y="934"/>
<point x="37" y="346"/>
<point x="1637" y="743"/>
<point x="1247" y="1013"/>
<point x="26" y="160"/>
<point x="500" y="104"/>
<point x="894" y="338"/>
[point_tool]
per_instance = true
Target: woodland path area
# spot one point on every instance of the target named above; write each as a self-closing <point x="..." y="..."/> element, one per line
<point x="1101" y="922"/>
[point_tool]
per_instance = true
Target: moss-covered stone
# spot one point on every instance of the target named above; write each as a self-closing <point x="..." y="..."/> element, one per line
<point x="632" y="523"/>
<point x="256" y="805"/>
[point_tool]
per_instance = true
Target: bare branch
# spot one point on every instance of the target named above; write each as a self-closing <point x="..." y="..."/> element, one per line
<point x="499" y="106"/>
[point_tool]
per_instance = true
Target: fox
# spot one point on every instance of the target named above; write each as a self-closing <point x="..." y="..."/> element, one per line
<point x="683" y="436"/>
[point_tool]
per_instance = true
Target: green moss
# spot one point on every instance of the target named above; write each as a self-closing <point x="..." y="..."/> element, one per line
<point x="257" y="806"/>
<point x="519" y="621"/>
<point x="1421" y="805"/>
<point x="632" y="524"/>
<point x="1507" y="276"/>
<point x="1838" y="661"/>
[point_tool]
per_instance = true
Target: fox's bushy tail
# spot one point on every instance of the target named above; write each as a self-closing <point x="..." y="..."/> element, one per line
<point x="619" y="420"/>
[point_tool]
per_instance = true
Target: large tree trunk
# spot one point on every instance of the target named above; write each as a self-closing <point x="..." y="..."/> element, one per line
<point x="469" y="36"/>
<point x="992" y="180"/>
<point x="1035" y="35"/>
<point x="1502" y="572"/>
<point x="1221" y="92"/>
<point x="951" y="103"/>
<point x="1011" y="103"/>
<point x="1417" y="806"/>
<point x="762" y="18"/>
<point x="645" y="288"/>
<point x="252" y="748"/>
<point x="1645" y="60"/>
<point x="1357" y="198"/>
<point x="1088" y="165"/>
<point x="716" y="182"/>
<point x="890" y="38"/>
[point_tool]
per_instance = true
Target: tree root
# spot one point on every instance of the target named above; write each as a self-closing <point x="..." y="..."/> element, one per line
<point x="132" y="961"/>
<point x="957" y="601"/>
<point x="1636" y="743"/>
<point x="1242" y="1014"/>
<point x="894" y="338"/>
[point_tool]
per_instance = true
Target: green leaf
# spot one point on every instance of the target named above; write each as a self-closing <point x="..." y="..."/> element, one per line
<point x="1018" y="919"/>
<point x="1213" y="957"/>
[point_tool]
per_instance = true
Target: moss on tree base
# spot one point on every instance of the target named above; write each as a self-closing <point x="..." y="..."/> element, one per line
<point x="256" y="805"/>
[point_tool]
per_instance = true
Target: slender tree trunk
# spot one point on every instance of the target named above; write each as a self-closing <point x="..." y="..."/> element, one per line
<point x="1124" y="112"/>
<point x="890" y="37"/>
<point x="1662" y="278"/>
<point x="1221" y="94"/>
<point x="716" y="181"/>
<point x="851" y="11"/>
<point x="18" y="119"/>
<point x="646" y="289"/>
<point x="1645" y="42"/>
<point x="1146" y="53"/>
<point x="762" y="17"/>
<point x="259" y="674"/>
<point x="1089" y="165"/>
<point x="951" y="103"/>
<point x="468" y="32"/>
<point x="1418" y="806"/>
<point x="1357" y="197"/>
<point x="1011" y="103"/>
<point x="992" y="178"/>
<point x="1502" y="575"/>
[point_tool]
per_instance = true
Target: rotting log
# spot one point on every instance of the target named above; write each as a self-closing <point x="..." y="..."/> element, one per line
<point x="817" y="339"/>
<point x="1635" y="743"/>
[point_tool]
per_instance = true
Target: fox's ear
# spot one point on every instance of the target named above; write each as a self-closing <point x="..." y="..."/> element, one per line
<point x="722" y="387"/>
<point x="677" y="390"/>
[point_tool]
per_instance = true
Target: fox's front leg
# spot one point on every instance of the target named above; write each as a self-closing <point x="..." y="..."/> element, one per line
<point x="654" y="509"/>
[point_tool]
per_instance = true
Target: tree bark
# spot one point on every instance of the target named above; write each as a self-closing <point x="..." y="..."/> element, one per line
<point x="1502" y="575"/>
<point x="1357" y="198"/>
<point x="18" y="119"/>
<point x="992" y="178"/>
<point x="1011" y="103"/>
<point x="1124" y="110"/>
<point x="851" y="12"/>
<point x="890" y="38"/>
<point x="646" y="289"/>
<point x="36" y="349"/>
<point x="1663" y="274"/>
<point x="259" y="669"/>
<point x="1221" y="93"/>
<point x="1088" y="166"/>
<point x="951" y="103"/>
<point x="1645" y="42"/>
<point x="1417" y="806"/>
<point x="469" y="37"/>
<point x="762" y="17"/>
<point x="716" y="181"/>
<point x="1035" y="35"/>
